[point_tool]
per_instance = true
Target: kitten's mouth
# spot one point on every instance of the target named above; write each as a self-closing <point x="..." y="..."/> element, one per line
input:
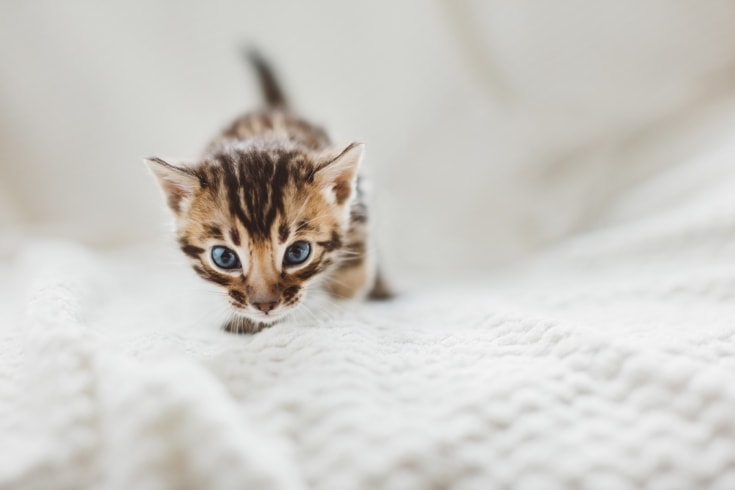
<point x="269" y="317"/>
<point x="260" y="317"/>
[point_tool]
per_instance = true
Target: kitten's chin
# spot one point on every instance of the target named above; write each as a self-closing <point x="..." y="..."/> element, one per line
<point x="258" y="317"/>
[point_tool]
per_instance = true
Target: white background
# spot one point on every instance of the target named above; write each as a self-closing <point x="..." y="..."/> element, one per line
<point x="492" y="127"/>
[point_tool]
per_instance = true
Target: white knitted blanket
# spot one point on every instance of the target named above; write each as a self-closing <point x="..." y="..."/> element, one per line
<point x="607" y="363"/>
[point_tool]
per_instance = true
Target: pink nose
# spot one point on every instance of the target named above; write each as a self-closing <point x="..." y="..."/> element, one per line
<point x="265" y="306"/>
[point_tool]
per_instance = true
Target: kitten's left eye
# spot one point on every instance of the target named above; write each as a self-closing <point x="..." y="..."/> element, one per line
<point x="225" y="258"/>
<point x="297" y="253"/>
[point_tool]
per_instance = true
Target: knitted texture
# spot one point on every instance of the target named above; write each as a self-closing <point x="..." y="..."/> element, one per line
<point x="606" y="363"/>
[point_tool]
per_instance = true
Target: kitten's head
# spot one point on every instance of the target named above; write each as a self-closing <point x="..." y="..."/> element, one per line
<point x="260" y="223"/>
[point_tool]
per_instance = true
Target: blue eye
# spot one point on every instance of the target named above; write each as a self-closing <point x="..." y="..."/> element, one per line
<point x="297" y="253"/>
<point x="225" y="258"/>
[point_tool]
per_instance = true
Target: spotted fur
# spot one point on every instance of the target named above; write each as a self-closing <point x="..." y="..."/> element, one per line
<point x="268" y="180"/>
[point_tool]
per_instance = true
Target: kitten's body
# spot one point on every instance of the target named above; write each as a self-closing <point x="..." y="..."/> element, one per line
<point x="269" y="182"/>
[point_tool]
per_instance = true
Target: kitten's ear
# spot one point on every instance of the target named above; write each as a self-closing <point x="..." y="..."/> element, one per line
<point x="177" y="182"/>
<point x="340" y="173"/>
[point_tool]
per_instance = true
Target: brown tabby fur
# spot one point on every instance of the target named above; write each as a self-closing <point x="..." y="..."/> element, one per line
<point x="268" y="180"/>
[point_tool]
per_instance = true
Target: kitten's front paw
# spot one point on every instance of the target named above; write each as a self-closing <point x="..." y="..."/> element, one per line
<point x="241" y="325"/>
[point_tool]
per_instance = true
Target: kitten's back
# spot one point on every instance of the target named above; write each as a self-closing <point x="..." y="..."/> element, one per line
<point x="274" y="125"/>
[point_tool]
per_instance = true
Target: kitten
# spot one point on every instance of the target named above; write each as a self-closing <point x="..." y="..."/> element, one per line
<point x="272" y="209"/>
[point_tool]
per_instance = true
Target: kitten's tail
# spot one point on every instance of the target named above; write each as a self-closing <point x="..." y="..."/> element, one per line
<point x="272" y="92"/>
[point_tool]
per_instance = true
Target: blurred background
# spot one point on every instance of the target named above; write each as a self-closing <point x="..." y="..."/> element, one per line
<point x="493" y="127"/>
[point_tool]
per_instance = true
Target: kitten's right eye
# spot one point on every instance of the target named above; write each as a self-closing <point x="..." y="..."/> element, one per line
<point x="225" y="258"/>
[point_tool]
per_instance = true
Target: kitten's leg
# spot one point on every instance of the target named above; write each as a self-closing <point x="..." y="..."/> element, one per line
<point x="241" y="325"/>
<point x="349" y="281"/>
<point x="357" y="275"/>
<point x="358" y="281"/>
<point x="381" y="290"/>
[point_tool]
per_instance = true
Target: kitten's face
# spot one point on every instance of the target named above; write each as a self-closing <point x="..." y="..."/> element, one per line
<point x="262" y="225"/>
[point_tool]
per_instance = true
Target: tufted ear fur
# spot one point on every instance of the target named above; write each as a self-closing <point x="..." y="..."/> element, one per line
<point x="338" y="175"/>
<point x="178" y="183"/>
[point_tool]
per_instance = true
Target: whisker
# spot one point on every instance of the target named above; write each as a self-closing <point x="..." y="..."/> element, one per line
<point x="308" y="310"/>
<point x="301" y="210"/>
<point x="312" y="219"/>
<point x="339" y="282"/>
<point x="350" y="253"/>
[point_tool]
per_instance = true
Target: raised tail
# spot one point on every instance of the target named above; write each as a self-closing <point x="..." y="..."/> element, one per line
<point x="269" y="86"/>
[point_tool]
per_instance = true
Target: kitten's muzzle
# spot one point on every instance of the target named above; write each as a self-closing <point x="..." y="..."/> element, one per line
<point x="264" y="306"/>
<point x="264" y="297"/>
